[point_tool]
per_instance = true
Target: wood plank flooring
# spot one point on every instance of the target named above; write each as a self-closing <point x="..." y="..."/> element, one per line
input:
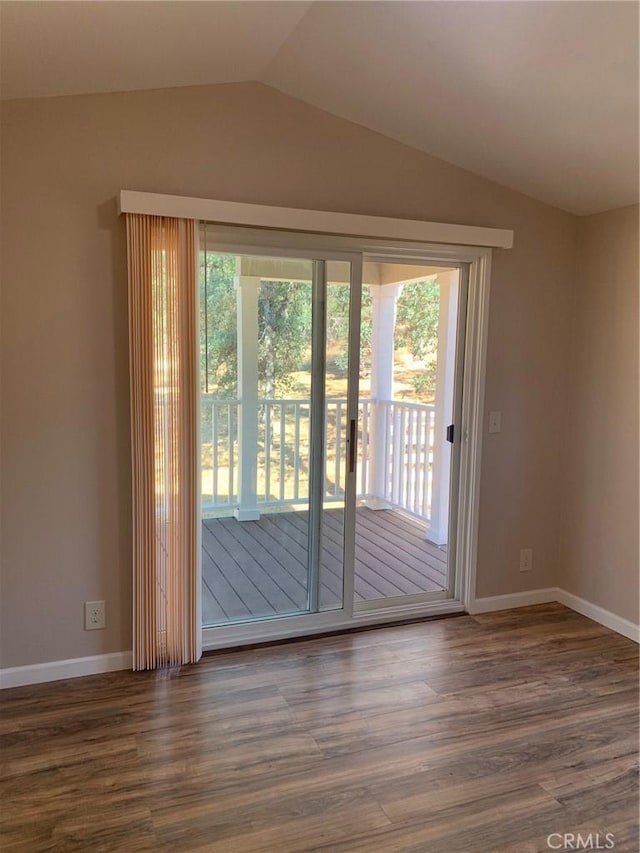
<point x="253" y="569"/>
<point x="476" y="734"/>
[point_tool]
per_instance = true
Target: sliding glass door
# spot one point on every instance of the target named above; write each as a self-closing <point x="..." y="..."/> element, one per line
<point x="410" y="400"/>
<point x="331" y="411"/>
<point x="276" y="409"/>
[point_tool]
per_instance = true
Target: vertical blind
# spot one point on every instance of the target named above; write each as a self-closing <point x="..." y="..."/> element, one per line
<point x="162" y="263"/>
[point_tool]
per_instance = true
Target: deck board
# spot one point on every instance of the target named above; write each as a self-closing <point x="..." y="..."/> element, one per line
<point x="296" y="524"/>
<point x="226" y="598"/>
<point x="232" y="570"/>
<point x="258" y="569"/>
<point x="394" y="549"/>
<point x="408" y="536"/>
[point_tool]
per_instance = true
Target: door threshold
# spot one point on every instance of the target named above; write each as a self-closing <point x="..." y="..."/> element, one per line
<point x="338" y="632"/>
<point x="321" y="624"/>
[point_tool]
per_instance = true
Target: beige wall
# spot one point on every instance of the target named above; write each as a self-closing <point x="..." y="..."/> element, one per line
<point x="65" y="432"/>
<point x="599" y="542"/>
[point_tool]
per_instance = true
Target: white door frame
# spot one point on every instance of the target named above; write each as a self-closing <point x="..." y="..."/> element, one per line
<point x="478" y="262"/>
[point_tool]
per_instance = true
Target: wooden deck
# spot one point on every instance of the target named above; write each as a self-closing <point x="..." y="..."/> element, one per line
<point x="253" y="569"/>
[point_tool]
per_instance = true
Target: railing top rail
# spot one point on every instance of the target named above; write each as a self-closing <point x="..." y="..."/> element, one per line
<point x="408" y="404"/>
<point x="225" y="401"/>
<point x="306" y="400"/>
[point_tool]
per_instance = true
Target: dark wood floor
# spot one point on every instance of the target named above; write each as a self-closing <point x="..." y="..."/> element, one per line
<point x="259" y="568"/>
<point x="466" y="735"/>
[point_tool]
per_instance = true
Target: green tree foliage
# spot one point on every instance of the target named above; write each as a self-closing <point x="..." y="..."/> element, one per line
<point x="284" y="330"/>
<point x="338" y="296"/>
<point x="417" y="329"/>
<point x="218" y="335"/>
<point x="284" y="335"/>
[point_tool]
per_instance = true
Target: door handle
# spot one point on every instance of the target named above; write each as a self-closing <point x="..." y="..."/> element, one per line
<point x="450" y="430"/>
<point x="352" y="445"/>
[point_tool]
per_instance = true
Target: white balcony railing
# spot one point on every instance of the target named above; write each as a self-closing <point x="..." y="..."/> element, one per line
<point x="395" y="453"/>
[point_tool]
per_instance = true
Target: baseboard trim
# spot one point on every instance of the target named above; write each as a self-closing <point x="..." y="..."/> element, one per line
<point x="55" y="670"/>
<point x="573" y="602"/>
<point x="513" y="600"/>
<point x="38" y="673"/>
<point x="605" y="617"/>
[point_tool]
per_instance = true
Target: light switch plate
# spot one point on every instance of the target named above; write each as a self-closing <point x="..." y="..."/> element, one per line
<point x="495" y="421"/>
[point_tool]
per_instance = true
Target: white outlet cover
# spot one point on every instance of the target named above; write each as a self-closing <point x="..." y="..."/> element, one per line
<point x="95" y="615"/>
<point x="526" y="560"/>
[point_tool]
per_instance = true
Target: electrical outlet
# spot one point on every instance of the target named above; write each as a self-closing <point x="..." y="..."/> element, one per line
<point x="526" y="559"/>
<point x="95" y="615"/>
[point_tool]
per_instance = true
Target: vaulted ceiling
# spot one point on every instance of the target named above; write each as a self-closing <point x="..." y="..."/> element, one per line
<point x="538" y="96"/>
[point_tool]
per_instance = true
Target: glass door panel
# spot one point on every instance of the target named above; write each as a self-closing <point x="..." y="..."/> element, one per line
<point x="273" y="435"/>
<point x="404" y="470"/>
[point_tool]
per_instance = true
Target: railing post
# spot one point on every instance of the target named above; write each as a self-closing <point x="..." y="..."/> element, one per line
<point x="445" y="372"/>
<point x="384" y="298"/>
<point x="247" y="289"/>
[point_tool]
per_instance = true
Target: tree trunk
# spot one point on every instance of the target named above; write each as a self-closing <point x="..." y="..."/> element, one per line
<point x="269" y="356"/>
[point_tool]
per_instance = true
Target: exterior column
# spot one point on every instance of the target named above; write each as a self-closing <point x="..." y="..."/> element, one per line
<point x="385" y="299"/>
<point x="247" y="290"/>
<point x="445" y="375"/>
